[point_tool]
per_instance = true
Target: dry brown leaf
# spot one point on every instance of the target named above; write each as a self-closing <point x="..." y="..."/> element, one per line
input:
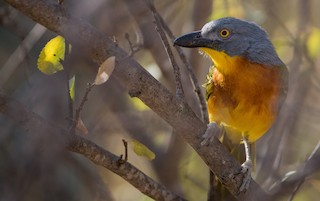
<point x="81" y="127"/>
<point x="105" y="70"/>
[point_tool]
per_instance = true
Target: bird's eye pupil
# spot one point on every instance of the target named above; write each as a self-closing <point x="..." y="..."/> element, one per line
<point x="224" y="33"/>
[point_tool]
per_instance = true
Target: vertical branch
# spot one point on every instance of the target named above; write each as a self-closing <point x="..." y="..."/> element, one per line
<point x="159" y="28"/>
<point x="193" y="79"/>
<point x="192" y="76"/>
<point x="76" y="120"/>
<point x="84" y="99"/>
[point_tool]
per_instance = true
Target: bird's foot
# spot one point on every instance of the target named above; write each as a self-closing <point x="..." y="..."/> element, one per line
<point x="213" y="130"/>
<point x="246" y="169"/>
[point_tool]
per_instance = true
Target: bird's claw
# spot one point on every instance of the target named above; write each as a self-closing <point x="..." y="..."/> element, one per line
<point x="213" y="130"/>
<point x="246" y="169"/>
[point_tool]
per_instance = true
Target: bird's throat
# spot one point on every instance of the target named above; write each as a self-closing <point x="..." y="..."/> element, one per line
<point x="222" y="61"/>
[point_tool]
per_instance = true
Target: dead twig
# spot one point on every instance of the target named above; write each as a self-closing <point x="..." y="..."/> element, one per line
<point x="133" y="48"/>
<point x="121" y="160"/>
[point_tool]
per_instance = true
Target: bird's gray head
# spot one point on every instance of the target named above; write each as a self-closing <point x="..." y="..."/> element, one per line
<point x="235" y="37"/>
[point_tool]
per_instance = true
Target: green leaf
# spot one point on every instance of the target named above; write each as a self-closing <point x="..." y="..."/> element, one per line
<point x="72" y="87"/>
<point x="141" y="150"/>
<point x="51" y="55"/>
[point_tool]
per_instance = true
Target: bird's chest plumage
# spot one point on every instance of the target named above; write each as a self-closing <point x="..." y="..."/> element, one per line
<point x="244" y="99"/>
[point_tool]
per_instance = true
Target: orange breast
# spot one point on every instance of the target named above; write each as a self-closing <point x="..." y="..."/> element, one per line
<point x="245" y="99"/>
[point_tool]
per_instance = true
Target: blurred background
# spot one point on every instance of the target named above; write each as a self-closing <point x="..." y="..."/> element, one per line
<point x="31" y="171"/>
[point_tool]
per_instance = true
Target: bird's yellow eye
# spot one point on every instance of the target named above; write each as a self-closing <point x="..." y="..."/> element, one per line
<point x="224" y="33"/>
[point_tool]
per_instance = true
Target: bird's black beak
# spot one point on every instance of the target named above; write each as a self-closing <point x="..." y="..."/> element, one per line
<point x="193" y="40"/>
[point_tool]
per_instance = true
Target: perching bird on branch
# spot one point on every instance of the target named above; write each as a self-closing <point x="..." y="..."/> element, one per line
<point x="245" y="87"/>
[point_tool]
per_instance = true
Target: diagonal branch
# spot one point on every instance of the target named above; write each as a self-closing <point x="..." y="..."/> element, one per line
<point x="20" y="54"/>
<point x="291" y="182"/>
<point x="127" y="171"/>
<point x="138" y="82"/>
<point x="60" y="138"/>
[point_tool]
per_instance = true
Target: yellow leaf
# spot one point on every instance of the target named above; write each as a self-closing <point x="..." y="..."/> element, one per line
<point x="138" y="104"/>
<point x="50" y="56"/>
<point x="72" y="87"/>
<point x="142" y="150"/>
<point x="105" y="70"/>
<point x="313" y="43"/>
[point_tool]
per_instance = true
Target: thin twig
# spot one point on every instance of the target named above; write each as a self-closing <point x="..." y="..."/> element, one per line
<point x="133" y="48"/>
<point x="84" y="99"/>
<point x="125" y="144"/>
<point x="80" y="108"/>
<point x="192" y="76"/>
<point x="197" y="90"/>
<point x="315" y="153"/>
<point x="121" y="160"/>
<point x="295" y="190"/>
<point x="291" y="183"/>
<point x="159" y="29"/>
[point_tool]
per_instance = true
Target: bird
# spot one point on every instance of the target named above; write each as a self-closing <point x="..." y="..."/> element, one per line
<point x="245" y="87"/>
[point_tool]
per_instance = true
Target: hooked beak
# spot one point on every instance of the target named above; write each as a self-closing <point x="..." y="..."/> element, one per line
<point x="193" y="40"/>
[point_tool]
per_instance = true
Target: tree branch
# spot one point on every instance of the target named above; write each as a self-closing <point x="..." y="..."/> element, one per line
<point x="131" y="174"/>
<point x="165" y="42"/>
<point x="192" y="77"/>
<point x="61" y="138"/>
<point x="290" y="183"/>
<point x="20" y="53"/>
<point x="141" y="84"/>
